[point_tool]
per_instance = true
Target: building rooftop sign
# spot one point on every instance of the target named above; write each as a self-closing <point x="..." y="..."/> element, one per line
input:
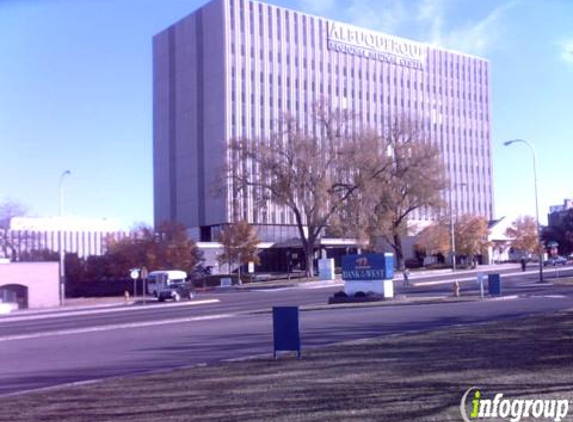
<point x="377" y="46"/>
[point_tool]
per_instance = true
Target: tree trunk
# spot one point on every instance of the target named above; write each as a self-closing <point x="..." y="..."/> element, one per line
<point x="309" y="254"/>
<point x="397" y="245"/>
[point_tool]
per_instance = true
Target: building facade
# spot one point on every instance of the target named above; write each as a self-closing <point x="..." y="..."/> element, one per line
<point x="30" y="237"/>
<point x="233" y="67"/>
<point x="558" y="212"/>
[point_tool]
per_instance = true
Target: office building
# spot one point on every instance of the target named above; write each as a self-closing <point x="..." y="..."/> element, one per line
<point x="233" y="67"/>
<point x="31" y="237"/>
<point x="557" y="213"/>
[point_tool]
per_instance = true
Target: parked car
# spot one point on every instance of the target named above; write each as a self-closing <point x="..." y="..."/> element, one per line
<point x="555" y="260"/>
<point x="176" y="292"/>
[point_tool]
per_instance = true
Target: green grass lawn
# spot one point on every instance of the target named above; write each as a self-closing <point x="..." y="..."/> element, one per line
<point x="415" y="377"/>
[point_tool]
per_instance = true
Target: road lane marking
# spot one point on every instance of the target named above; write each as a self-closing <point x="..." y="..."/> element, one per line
<point x="114" y="327"/>
<point x="63" y="314"/>
<point x="512" y="297"/>
<point x="325" y="286"/>
<point x="272" y="290"/>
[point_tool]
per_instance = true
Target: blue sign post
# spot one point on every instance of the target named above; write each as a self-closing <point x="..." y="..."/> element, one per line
<point x="494" y="284"/>
<point x="286" y="333"/>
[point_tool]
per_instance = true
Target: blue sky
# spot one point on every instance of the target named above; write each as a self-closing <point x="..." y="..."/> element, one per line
<point x="75" y="93"/>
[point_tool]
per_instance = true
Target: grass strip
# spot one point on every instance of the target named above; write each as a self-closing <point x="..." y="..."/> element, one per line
<point x="415" y="377"/>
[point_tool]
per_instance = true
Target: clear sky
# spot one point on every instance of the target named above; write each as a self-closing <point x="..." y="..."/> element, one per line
<point x="75" y="93"/>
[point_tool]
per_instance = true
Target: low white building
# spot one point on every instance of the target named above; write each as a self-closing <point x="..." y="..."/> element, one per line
<point x="499" y="244"/>
<point x="28" y="235"/>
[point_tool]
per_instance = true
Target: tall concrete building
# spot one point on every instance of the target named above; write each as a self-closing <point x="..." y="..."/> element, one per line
<point x="233" y="67"/>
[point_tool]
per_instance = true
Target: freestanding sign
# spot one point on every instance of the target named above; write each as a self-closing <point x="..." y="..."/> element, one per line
<point x="480" y="278"/>
<point x="494" y="284"/>
<point x="144" y="277"/>
<point x="134" y="274"/>
<point x="368" y="273"/>
<point x="286" y="334"/>
<point x="326" y="269"/>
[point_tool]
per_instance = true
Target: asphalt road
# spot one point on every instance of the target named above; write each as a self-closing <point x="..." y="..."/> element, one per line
<point x="49" y="349"/>
<point x="233" y="302"/>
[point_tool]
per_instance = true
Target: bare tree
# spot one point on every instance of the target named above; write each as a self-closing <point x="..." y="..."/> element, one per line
<point x="9" y="245"/>
<point x="240" y="242"/>
<point x="308" y="172"/>
<point x="406" y="174"/>
<point x="341" y="177"/>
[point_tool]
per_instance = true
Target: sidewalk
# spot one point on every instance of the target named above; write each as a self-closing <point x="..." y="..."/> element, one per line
<point x="471" y="275"/>
<point x="78" y="304"/>
<point x="414" y="275"/>
<point x="479" y="269"/>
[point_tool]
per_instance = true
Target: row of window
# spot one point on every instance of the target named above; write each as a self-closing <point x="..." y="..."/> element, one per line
<point x="441" y="124"/>
<point x="465" y="109"/>
<point x="474" y="197"/>
<point x="457" y="109"/>
<point x="310" y="63"/>
<point x="462" y="92"/>
<point x="266" y="120"/>
<point x="444" y="63"/>
<point x="263" y="215"/>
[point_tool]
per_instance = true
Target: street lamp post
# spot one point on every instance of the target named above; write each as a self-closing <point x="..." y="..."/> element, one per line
<point x="452" y="231"/>
<point x="452" y="225"/>
<point x="534" y="155"/>
<point x="62" y="276"/>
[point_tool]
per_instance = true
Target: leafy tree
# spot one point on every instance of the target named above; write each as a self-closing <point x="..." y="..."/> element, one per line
<point x="74" y="268"/>
<point x="174" y="248"/>
<point x="167" y="247"/>
<point x="471" y="233"/>
<point x="560" y="232"/>
<point x="523" y="235"/>
<point x="131" y="251"/>
<point x="239" y="242"/>
<point x="435" y="239"/>
<point x="99" y="267"/>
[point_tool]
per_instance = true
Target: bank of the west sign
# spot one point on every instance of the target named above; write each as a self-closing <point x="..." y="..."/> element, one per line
<point x="368" y="273"/>
<point x="372" y="266"/>
<point x="373" y="45"/>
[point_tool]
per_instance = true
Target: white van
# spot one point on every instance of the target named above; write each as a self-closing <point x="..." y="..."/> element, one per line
<point x="158" y="281"/>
